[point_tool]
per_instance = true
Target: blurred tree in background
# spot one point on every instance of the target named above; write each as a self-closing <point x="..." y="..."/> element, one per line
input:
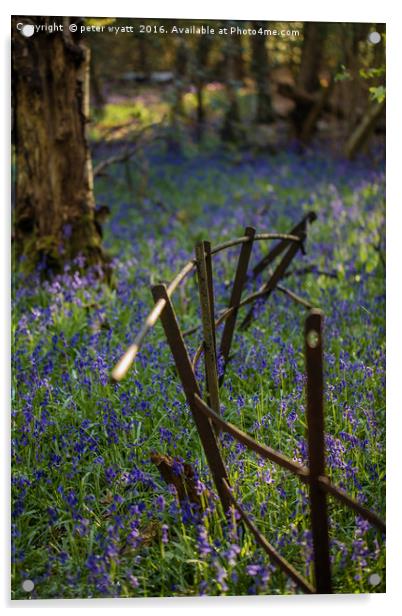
<point x="261" y="72"/>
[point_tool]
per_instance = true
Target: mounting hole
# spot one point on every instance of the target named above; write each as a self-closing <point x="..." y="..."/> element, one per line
<point x="313" y="339"/>
<point x="374" y="579"/>
<point x="374" y="38"/>
<point x="27" y="30"/>
<point x="28" y="585"/>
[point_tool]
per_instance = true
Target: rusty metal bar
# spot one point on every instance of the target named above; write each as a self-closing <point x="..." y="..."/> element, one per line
<point x="276" y="251"/>
<point x="235" y="298"/>
<point x="123" y="365"/>
<point x="272" y="282"/>
<point x="208" y="325"/>
<point x="269" y="549"/>
<point x="247" y="300"/>
<point x="187" y="269"/>
<point x="210" y="282"/>
<point x="296" y="298"/>
<point x="257" y="238"/>
<point x="316" y="450"/>
<point x="224" y="314"/>
<point x="191" y="388"/>
<point x="263" y="450"/>
<point x="350" y="502"/>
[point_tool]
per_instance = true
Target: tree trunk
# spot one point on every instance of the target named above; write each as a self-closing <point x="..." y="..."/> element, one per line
<point x="238" y="57"/>
<point x="354" y="94"/>
<point x="312" y="117"/>
<point x="201" y="61"/>
<point x="98" y="98"/>
<point x="260" y="68"/>
<point x="144" y="56"/>
<point x="54" y="206"/>
<point x="313" y="39"/>
<point x="308" y="77"/>
<point x="231" y="130"/>
<point x="177" y="111"/>
<point x="180" y="78"/>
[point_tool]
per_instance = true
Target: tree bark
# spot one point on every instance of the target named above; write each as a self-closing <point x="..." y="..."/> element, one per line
<point x="181" y="63"/>
<point x="238" y="57"/>
<point x="201" y="61"/>
<point x="308" y="76"/>
<point x="54" y="205"/>
<point x="313" y="39"/>
<point x="232" y="129"/>
<point x="260" y="68"/>
<point x="315" y="112"/>
<point x="98" y="97"/>
<point x="177" y="111"/>
<point x="144" y="56"/>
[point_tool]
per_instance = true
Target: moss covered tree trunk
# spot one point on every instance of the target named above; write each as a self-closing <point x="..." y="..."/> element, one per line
<point x="54" y="204"/>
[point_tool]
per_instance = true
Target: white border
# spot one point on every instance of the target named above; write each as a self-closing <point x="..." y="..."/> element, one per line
<point x="293" y="10"/>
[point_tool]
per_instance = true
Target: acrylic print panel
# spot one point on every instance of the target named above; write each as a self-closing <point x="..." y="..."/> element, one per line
<point x="224" y="434"/>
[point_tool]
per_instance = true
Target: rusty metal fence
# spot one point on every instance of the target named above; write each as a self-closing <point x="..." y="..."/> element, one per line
<point x="206" y="413"/>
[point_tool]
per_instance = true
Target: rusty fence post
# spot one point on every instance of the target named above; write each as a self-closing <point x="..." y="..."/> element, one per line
<point x="235" y="298"/>
<point x="190" y="386"/>
<point x="210" y="283"/>
<point x="316" y="450"/>
<point x="205" y="286"/>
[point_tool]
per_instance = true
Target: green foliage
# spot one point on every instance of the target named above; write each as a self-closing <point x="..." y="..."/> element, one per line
<point x="343" y="74"/>
<point x="372" y="73"/>
<point x="377" y="93"/>
<point x="100" y="21"/>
